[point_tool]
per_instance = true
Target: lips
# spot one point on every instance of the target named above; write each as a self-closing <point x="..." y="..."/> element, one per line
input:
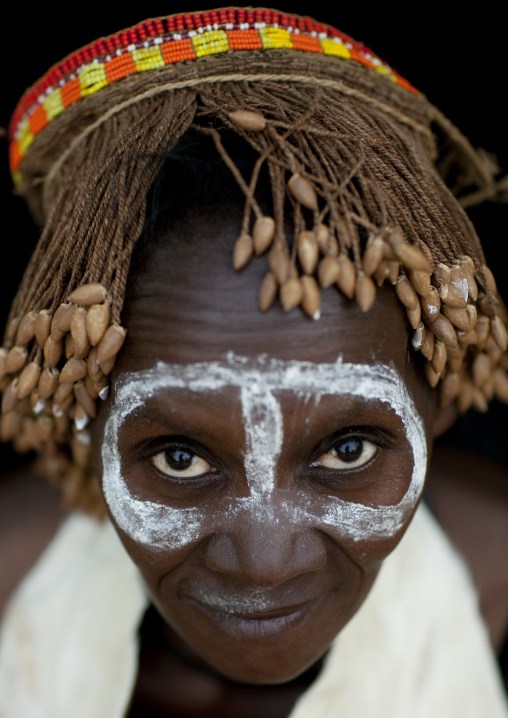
<point x="255" y="615"/>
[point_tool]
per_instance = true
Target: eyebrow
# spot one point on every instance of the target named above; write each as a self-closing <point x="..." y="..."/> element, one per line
<point x="269" y="375"/>
<point x="260" y="378"/>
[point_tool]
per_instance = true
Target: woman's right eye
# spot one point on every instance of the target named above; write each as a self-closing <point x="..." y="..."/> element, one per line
<point x="180" y="463"/>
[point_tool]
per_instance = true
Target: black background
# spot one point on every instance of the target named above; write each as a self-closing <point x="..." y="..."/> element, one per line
<point x="459" y="61"/>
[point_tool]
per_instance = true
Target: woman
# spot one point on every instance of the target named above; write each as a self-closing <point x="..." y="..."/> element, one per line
<point x="258" y="467"/>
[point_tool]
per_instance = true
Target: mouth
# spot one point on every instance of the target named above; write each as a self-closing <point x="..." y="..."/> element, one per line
<point x="255" y="617"/>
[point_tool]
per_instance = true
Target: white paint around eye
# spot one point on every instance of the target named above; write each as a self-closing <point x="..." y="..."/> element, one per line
<point x="162" y="527"/>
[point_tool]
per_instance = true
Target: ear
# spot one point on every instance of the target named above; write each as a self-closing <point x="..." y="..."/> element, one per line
<point x="444" y="418"/>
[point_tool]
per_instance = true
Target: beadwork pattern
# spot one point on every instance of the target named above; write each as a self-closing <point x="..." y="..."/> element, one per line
<point x="153" y="44"/>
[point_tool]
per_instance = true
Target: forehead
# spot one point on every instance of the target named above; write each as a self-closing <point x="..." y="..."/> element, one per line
<point x="185" y="304"/>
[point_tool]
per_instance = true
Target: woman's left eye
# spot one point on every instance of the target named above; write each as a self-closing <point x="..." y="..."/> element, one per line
<point x="180" y="463"/>
<point x="351" y="452"/>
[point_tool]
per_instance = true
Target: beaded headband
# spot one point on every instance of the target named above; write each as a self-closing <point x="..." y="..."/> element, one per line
<point x="163" y="41"/>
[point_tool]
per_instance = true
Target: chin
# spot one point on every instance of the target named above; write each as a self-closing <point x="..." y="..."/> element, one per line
<point x="262" y="648"/>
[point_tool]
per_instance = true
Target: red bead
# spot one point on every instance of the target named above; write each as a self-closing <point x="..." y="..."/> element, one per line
<point x="112" y="43"/>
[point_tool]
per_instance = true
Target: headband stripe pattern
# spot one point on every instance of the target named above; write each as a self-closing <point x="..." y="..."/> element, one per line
<point x="157" y="43"/>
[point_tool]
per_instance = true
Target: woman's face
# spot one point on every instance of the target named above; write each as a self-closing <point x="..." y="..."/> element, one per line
<point x="258" y="468"/>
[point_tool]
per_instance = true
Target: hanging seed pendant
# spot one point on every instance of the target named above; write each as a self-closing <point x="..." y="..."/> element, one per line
<point x="420" y="281"/>
<point x="88" y="294"/>
<point x="28" y="379"/>
<point x="79" y="334"/>
<point x="26" y="329"/>
<point x="52" y="351"/>
<point x="10" y="397"/>
<point x="248" y="120"/>
<point x="373" y="256"/>
<point x="42" y="327"/>
<point x="347" y="276"/>
<point x="428" y="342"/>
<point x="73" y="370"/>
<point x="499" y="333"/>
<point x="308" y="251"/>
<point x="406" y="293"/>
<point x="110" y="344"/>
<point x="15" y="360"/>
<point x="48" y="382"/>
<point x="291" y="294"/>
<point x="243" y="251"/>
<point x="452" y="296"/>
<point x="411" y="257"/>
<point x="278" y="261"/>
<point x="431" y="304"/>
<point x="268" y="291"/>
<point x="303" y="191"/>
<point x="458" y="317"/>
<point x="328" y="271"/>
<point x="63" y="322"/>
<point x="365" y="292"/>
<point x="311" y="303"/>
<point x="263" y="233"/>
<point x="443" y="329"/>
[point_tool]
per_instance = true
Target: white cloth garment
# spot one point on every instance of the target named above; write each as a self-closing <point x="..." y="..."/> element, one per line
<point x="416" y="649"/>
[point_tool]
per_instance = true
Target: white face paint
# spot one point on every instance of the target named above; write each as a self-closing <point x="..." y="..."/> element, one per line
<point x="163" y="527"/>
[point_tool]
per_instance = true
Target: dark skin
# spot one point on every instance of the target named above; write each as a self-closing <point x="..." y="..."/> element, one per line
<point x="188" y="306"/>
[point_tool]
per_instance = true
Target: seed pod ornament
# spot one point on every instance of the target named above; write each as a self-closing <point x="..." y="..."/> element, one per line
<point x="42" y="327"/>
<point x="243" y="251"/>
<point x="26" y="329"/>
<point x="291" y="294"/>
<point x="347" y="276"/>
<point x="248" y="120"/>
<point x="308" y="252"/>
<point x="373" y="256"/>
<point x="268" y="291"/>
<point x="365" y="292"/>
<point x="328" y="272"/>
<point x="88" y="294"/>
<point x="303" y="191"/>
<point x="311" y="302"/>
<point x="263" y="233"/>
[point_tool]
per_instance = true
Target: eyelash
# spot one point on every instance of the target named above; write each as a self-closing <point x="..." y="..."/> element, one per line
<point x="373" y="440"/>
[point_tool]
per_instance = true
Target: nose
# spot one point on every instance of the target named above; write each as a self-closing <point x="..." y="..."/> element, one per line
<point x="265" y="547"/>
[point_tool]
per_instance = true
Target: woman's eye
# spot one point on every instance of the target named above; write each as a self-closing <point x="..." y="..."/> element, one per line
<point x="349" y="453"/>
<point x="180" y="463"/>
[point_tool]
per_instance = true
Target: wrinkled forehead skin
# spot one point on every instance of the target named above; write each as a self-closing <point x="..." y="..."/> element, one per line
<point x="260" y="384"/>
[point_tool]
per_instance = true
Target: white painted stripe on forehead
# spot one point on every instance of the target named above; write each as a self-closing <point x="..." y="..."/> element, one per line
<point x="162" y="527"/>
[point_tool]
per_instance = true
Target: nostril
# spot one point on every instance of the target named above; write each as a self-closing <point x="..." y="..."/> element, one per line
<point x="266" y="556"/>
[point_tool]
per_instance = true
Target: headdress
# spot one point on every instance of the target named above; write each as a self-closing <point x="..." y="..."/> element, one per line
<point x="356" y="155"/>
